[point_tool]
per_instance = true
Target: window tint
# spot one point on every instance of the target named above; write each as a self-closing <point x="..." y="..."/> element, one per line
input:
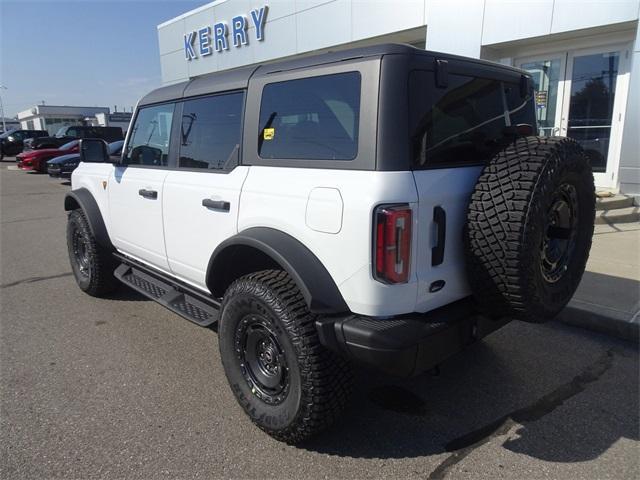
<point x="149" y="142"/>
<point x="211" y="130"/>
<point x="312" y="118"/>
<point x="73" y="132"/>
<point x="465" y="122"/>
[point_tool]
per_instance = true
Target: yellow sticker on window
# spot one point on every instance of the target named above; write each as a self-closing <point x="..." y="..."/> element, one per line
<point x="269" y="133"/>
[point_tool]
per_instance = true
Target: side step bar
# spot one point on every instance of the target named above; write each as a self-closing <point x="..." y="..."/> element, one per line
<point x="181" y="299"/>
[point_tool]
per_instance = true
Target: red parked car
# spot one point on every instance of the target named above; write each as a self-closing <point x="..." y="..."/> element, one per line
<point x="37" y="159"/>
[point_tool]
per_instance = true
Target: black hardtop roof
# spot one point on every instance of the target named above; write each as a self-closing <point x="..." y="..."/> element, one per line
<point x="238" y="78"/>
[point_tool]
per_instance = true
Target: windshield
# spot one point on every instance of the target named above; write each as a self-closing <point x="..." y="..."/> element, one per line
<point x="116" y="147"/>
<point x="69" y="145"/>
<point x="6" y="134"/>
<point x="62" y="131"/>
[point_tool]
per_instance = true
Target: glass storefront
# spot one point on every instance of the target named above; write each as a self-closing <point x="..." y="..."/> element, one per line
<point x="546" y="74"/>
<point x="593" y="88"/>
<point x="575" y="95"/>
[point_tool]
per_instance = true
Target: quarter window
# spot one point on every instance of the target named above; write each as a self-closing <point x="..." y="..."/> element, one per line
<point x="314" y="118"/>
<point x="149" y="142"/>
<point x="211" y="131"/>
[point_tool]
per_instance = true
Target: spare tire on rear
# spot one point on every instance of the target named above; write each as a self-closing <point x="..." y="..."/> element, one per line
<point x="529" y="228"/>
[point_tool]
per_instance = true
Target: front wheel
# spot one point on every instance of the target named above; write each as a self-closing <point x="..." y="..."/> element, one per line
<point x="284" y="379"/>
<point x="91" y="263"/>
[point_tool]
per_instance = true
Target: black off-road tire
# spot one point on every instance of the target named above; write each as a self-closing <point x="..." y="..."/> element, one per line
<point x="516" y="228"/>
<point x="314" y="384"/>
<point x="91" y="263"/>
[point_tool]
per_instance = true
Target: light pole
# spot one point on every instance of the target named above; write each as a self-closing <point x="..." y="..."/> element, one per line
<point x="4" y="126"/>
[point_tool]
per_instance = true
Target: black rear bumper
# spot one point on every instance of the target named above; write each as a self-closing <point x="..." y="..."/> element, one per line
<point x="408" y="344"/>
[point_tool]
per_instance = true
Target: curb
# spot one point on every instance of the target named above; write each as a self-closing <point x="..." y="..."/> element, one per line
<point x="602" y="320"/>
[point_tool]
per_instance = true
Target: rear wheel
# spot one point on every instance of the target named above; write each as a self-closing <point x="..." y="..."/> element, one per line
<point x="284" y="379"/>
<point x="92" y="264"/>
<point x="529" y="228"/>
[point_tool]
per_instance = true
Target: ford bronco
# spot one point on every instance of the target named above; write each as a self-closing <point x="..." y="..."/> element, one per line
<point x="383" y="205"/>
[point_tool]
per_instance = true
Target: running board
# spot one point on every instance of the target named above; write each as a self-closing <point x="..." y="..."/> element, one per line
<point x="178" y="298"/>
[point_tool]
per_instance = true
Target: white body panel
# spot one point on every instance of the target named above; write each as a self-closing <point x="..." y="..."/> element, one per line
<point x="192" y="232"/>
<point x="136" y="222"/>
<point x="278" y="198"/>
<point x="91" y="176"/>
<point x="329" y="211"/>
<point x="449" y="188"/>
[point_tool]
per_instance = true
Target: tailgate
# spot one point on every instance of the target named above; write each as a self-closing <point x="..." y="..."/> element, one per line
<point x="443" y="197"/>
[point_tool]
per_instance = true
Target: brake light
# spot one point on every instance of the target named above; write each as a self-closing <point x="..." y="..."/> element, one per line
<point x="392" y="249"/>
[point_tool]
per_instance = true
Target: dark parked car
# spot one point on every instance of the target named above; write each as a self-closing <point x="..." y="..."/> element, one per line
<point x="12" y="142"/>
<point x="37" y="159"/>
<point x="64" y="165"/>
<point x="66" y="134"/>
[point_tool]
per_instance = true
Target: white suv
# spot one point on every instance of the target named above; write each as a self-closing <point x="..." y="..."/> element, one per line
<point x="383" y="205"/>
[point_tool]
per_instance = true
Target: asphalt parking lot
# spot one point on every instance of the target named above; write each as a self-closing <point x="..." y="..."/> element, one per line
<point x="122" y="388"/>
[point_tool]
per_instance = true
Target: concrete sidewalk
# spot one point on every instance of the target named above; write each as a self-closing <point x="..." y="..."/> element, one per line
<point x="608" y="299"/>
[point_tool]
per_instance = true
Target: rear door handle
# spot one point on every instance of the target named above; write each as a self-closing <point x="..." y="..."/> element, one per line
<point x="440" y="219"/>
<point x="216" y="204"/>
<point x="148" y="193"/>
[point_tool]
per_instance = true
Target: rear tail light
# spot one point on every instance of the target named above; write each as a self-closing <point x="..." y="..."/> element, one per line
<point x="392" y="245"/>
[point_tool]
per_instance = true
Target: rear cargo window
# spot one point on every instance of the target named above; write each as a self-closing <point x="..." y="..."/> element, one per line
<point x="314" y="118"/>
<point x="464" y="123"/>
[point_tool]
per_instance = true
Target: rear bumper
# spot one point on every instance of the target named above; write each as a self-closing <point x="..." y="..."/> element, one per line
<point x="409" y="344"/>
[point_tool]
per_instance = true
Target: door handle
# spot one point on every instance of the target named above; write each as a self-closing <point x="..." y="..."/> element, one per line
<point x="216" y="204"/>
<point x="440" y="219"/>
<point x="152" y="194"/>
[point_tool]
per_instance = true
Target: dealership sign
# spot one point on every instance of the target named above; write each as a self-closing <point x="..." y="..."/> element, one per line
<point x="206" y="40"/>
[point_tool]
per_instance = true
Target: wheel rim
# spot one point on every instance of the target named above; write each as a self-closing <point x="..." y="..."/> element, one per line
<point x="561" y="228"/>
<point x="81" y="252"/>
<point x="262" y="359"/>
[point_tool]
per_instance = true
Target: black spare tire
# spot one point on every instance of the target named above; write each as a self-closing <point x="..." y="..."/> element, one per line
<point x="529" y="228"/>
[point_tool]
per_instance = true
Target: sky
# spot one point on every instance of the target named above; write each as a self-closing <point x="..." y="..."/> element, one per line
<point x="82" y="52"/>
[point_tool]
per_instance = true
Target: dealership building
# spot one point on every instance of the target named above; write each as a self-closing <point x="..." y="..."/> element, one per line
<point x="52" y="117"/>
<point x="584" y="55"/>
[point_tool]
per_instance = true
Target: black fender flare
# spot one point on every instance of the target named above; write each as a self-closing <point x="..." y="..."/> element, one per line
<point x="314" y="281"/>
<point x="82" y="198"/>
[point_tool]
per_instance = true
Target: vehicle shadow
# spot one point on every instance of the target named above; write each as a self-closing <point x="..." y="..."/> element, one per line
<point x="126" y="294"/>
<point x="549" y="402"/>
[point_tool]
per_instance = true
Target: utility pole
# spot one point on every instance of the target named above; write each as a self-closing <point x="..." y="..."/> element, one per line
<point x="4" y="125"/>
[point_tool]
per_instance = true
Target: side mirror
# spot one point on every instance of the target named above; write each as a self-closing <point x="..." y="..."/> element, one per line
<point x="94" y="150"/>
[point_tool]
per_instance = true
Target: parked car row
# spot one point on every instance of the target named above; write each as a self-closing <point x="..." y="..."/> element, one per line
<point x="12" y="142"/>
<point x="16" y="141"/>
<point x="63" y="165"/>
<point x="66" y="134"/>
<point x="59" y="162"/>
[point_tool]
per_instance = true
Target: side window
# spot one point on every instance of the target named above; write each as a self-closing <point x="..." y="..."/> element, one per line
<point x="463" y="123"/>
<point x="73" y="132"/>
<point x="314" y="118"/>
<point x="211" y="131"/>
<point x="521" y="110"/>
<point x="149" y="141"/>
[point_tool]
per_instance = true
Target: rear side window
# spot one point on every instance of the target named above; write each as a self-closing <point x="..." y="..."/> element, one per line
<point x="465" y="122"/>
<point x="211" y="131"/>
<point x="314" y="118"/>
<point x="149" y="142"/>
